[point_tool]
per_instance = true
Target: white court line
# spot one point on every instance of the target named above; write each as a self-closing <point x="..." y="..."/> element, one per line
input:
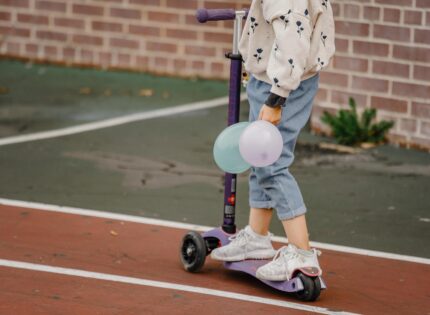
<point x="187" y="226"/>
<point x="164" y="285"/>
<point x="118" y="121"/>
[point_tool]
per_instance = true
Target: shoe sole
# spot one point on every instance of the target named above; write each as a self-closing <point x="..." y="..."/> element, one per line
<point x="262" y="277"/>
<point x="259" y="255"/>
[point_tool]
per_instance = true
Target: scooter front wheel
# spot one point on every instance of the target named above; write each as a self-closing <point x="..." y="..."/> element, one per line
<point x="311" y="290"/>
<point x="193" y="251"/>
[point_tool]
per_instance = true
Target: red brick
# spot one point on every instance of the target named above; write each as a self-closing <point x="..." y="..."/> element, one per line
<point x="342" y="98"/>
<point x="425" y="128"/>
<point x="191" y="20"/>
<point x="392" y="15"/>
<point x="87" y="9"/>
<point x="200" y="50"/>
<point x="392" y="32"/>
<point x="86" y="56"/>
<point x="183" y="34"/>
<point x="218" y="37"/>
<point x="217" y="67"/>
<point x="369" y="84"/>
<point x="5" y="16"/>
<point x="14" y="31"/>
<point x="15" y="3"/>
<point x="422" y="36"/>
<point x="144" y="30"/>
<point x="50" y="35"/>
<point x="351" y="11"/>
<point x="179" y="64"/>
<point x="422" y="4"/>
<point x="336" y="79"/>
<point x="396" y="2"/>
<point x="413" y="17"/>
<point x="349" y="63"/>
<point x="145" y="2"/>
<point x="142" y="62"/>
<point x="106" y="26"/>
<point x="164" y="17"/>
<point x="217" y="4"/>
<point x="391" y="68"/>
<point x="124" y="60"/>
<point x="126" y="13"/>
<point x="105" y="58"/>
<point x="198" y="65"/>
<point x="421" y="110"/>
<point x="165" y="47"/>
<point x="51" y="6"/>
<point x="69" y="23"/>
<point x="428" y="18"/>
<point x="124" y="43"/>
<point x="31" y="50"/>
<point x="374" y="49"/>
<point x="371" y="13"/>
<point x="33" y="19"/>
<point x="321" y="95"/>
<point x="226" y="24"/>
<point x="389" y="104"/>
<point x="352" y="28"/>
<point x="181" y="4"/>
<point x="411" y="90"/>
<point x="161" y="62"/>
<point x="336" y="9"/>
<point x="408" y="125"/>
<point x="13" y="48"/>
<point x="421" y="73"/>
<point x="411" y="53"/>
<point x="50" y="51"/>
<point x="342" y="45"/>
<point x="88" y="40"/>
<point x="69" y="52"/>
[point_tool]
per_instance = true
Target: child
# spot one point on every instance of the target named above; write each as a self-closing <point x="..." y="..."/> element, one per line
<point x="284" y="45"/>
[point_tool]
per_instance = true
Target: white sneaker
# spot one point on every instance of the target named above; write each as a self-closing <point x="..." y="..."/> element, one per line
<point x="245" y="245"/>
<point x="286" y="261"/>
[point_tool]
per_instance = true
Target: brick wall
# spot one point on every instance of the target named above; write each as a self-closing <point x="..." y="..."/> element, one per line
<point x="382" y="58"/>
<point x="383" y="61"/>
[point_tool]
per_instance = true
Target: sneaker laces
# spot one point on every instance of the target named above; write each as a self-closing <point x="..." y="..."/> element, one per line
<point x="239" y="237"/>
<point x="286" y="253"/>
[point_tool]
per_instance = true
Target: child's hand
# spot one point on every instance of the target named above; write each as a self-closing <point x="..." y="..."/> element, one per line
<point x="270" y="114"/>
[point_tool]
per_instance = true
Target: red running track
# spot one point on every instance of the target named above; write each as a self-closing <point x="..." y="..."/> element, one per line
<point x="359" y="284"/>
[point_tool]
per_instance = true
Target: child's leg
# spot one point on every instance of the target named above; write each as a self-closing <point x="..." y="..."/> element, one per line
<point x="295" y="229"/>
<point x="259" y="220"/>
<point x="297" y="232"/>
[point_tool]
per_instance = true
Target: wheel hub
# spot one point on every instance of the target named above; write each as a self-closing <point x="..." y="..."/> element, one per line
<point x="190" y="250"/>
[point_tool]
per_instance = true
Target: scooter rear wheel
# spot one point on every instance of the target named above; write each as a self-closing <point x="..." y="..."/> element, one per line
<point x="193" y="251"/>
<point x="311" y="290"/>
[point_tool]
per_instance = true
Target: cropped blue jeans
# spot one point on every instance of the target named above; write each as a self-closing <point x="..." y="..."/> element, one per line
<point x="273" y="186"/>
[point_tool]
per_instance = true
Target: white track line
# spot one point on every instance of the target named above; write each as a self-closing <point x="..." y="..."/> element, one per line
<point x="187" y="226"/>
<point x="164" y="285"/>
<point x="118" y="121"/>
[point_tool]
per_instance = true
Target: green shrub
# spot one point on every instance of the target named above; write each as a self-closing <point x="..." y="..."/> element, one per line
<point x="349" y="129"/>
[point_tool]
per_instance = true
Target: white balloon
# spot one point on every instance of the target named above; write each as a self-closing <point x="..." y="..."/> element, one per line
<point x="261" y="143"/>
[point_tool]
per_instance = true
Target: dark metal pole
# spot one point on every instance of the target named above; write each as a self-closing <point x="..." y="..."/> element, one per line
<point x="233" y="117"/>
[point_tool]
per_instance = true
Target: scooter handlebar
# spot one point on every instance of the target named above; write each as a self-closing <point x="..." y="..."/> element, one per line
<point x="204" y="15"/>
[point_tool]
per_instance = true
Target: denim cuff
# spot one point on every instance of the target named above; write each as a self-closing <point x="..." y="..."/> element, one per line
<point x="286" y="214"/>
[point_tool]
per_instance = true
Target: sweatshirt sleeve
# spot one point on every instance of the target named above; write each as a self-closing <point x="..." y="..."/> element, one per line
<point x="290" y="50"/>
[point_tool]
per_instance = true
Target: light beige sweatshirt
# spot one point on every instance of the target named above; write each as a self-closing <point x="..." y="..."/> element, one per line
<point x="287" y="41"/>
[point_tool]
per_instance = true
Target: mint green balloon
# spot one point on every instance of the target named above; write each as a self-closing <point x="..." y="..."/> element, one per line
<point x="226" y="149"/>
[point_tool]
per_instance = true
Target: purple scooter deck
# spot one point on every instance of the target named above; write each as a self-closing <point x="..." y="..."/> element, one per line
<point x="250" y="266"/>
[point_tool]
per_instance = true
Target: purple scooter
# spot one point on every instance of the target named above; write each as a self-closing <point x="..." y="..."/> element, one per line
<point x="306" y="285"/>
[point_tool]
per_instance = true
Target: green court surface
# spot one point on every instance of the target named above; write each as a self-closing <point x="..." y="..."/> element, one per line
<point x="163" y="167"/>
